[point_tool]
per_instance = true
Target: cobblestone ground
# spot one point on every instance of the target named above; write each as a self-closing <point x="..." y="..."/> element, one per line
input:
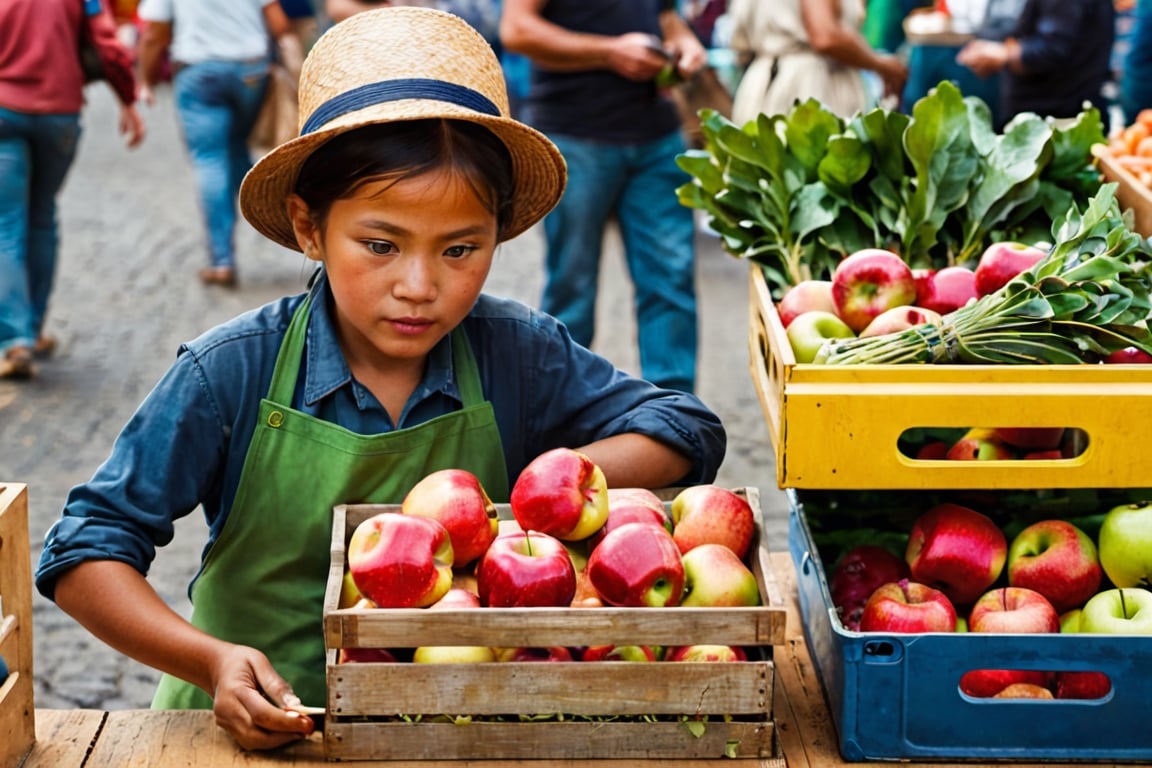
<point x="126" y="295"/>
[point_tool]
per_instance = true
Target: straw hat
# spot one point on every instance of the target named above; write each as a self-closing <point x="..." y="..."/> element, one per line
<point x="401" y="63"/>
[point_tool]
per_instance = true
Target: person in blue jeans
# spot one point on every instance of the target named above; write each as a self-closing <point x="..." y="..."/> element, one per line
<point x="221" y="52"/>
<point x="593" y="92"/>
<point x="41" y="98"/>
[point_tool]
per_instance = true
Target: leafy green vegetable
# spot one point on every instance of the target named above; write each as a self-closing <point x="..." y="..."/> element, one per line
<point x="796" y="192"/>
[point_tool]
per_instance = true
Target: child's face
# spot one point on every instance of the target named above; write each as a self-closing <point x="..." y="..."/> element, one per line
<point x="406" y="261"/>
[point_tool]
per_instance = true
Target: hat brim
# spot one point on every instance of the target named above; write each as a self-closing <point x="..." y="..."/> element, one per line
<point x="538" y="169"/>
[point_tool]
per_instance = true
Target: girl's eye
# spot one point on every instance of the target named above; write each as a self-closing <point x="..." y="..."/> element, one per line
<point x="380" y="247"/>
<point x="459" y="251"/>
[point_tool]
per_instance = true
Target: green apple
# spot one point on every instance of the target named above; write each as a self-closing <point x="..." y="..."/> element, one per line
<point x="1118" y="612"/>
<point x="1125" y="544"/>
<point x="1070" y="621"/>
<point x="808" y="331"/>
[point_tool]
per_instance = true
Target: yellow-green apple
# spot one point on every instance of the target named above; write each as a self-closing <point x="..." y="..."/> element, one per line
<point x="857" y="574"/>
<point x="1070" y="621"/>
<point x="805" y="296"/>
<point x="1119" y="611"/>
<point x="561" y="492"/>
<point x="453" y="654"/>
<point x="1031" y="438"/>
<point x="868" y="282"/>
<point x="1125" y="544"/>
<point x="947" y="289"/>
<point x="1128" y="356"/>
<point x="349" y="594"/>
<point x="711" y="514"/>
<point x="1002" y="261"/>
<point x="1081" y="684"/>
<point x="618" y="653"/>
<point x="636" y="565"/>
<point x="957" y="550"/>
<point x="1024" y="691"/>
<point x="1056" y="559"/>
<point x="706" y="652"/>
<point x="979" y="445"/>
<point x="808" y="332"/>
<point x="526" y="568"/>
<point x="908" y="607"/>
<point x="1013" y="609"/>
<point x="715" y="576"/>
<point x="456" y="498"/>
<point x="900" y="319"/>
<point x="531" y="653"/>
<point x="401" y="561"/>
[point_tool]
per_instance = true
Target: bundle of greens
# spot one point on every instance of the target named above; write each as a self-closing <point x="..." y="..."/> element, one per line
<point x="799" y="191"/>
<point x="1088" y="297"/>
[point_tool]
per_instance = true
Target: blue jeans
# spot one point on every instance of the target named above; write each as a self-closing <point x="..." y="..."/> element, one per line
<point x="636" y="182"/>
<point x="36" y="152"/>
<point x="218" y="103"/>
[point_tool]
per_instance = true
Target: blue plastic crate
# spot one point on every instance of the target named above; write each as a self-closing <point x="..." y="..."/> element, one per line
<point x="897" y="697"/>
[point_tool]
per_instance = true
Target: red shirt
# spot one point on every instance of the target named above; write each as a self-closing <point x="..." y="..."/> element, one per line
<point x="39" y="64"/>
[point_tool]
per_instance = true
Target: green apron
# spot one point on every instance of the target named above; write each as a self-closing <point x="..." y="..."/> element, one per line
<point x="262" y="581"/>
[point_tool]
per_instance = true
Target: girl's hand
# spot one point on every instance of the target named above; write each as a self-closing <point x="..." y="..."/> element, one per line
<point x="249" y="701"/>
<point x="637" y="56"/>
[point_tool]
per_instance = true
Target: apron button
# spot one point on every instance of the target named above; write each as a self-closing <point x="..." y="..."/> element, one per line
<point x="275" y="419"/>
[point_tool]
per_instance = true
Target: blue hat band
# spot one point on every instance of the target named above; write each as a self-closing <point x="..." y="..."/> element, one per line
<point x="397" y="90"/>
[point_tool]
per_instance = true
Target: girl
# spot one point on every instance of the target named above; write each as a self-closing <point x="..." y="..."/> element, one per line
<point x="407" y="174"/>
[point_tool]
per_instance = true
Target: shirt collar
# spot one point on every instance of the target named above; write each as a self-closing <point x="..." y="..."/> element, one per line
<point x="326" y="370"/>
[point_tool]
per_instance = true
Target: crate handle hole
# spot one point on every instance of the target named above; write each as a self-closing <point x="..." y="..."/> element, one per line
<point x="992" y="443"/>
<point x="885" y="651"/>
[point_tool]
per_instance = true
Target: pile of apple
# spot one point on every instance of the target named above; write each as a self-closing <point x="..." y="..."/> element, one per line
<point x="874" y="292"/>
<point x="960" y="573"/>
<point x="578" y="544"/>
<point x="1003" y="444"/>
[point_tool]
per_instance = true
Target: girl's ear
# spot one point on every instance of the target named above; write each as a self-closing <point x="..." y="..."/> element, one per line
<point x="308" y="234"/>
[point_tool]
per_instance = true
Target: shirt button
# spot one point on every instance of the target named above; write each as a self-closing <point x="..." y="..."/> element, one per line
<point x="275" y="419"/>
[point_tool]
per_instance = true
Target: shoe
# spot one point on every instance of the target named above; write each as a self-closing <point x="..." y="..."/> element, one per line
<point x="17" y="364"/>
<point x="45" y="346"/>
<point x="225" y="276"/>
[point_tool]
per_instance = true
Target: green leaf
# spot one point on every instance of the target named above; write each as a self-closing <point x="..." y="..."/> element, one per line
<point x="695" y="727"/>
<point x="845" y="163"/>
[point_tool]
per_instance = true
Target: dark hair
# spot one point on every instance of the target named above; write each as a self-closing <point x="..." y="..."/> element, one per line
<point x="404" y="150"/>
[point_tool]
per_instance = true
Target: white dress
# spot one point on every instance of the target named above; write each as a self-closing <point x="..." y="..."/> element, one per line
<point x="784" y="68"/>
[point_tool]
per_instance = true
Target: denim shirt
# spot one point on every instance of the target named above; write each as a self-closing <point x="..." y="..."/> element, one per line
<point x="186" y="444"/>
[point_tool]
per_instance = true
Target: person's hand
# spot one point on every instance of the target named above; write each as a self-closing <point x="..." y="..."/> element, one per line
<point x="691" y="55"/>
<point x="894" y="73"/>
<point x="983" y="57"/>
<point x="637" y="56"/>
<point x="145" y="95"/>
<point x="249" y="701"/>
<point x="131" y="125"/>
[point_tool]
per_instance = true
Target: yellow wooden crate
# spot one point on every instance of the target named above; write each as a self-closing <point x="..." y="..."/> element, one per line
<point x="1130" y="193"/>
<point x="387" y="710"/>
<point x="837" y="427"/>
<point x="17" y="711"/>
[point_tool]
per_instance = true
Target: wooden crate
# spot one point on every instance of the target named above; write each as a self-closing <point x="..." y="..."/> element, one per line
<point x="389" y="711"/>
<point x="17" y="712"/>
<point x="1130" y="193"/>
<point x="837" y="427"/>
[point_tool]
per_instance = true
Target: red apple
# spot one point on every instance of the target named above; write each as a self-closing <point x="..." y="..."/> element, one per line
<point x="548" y="653"/>
<point x="957" y="550"/>
<point x="714" y="576"/>
<point x="710" y="514"/>
<point x="1128" y="356"/>
<point x="947" y="289"/>
<point x="1002" y="261"/>
<point x="1031" y="438"/>
<point x="456" y="498"/>
<point x="808" y="332"/>
<point x="562" y="493"/>
<point x="365" y="656"/>
<point x="1077" y="684"/>
<point x="618" y="653"/>
<point x="907" y="607"/>
<point x="805" y="296"/>
<point x="706" y="652"/>
<point x="1025" y="691"/>
<point x="900" y="319"/>
<point x="1058" y="560"/>
<point x="856" y="576"/>
<point x="632" y="505"/>
<point x="455" y="598"/>
<point x="868" y="282"/>
<point x="638" y="564"/>
<point x="526" y="568"/>
<point x="1042" y="455"/>
<point x="634" y="497"/>
<point x="933" y="451"/>
<point x="1013" y="609"/>
<point x="986" y="683"/>
<point x="401" y="561"/>
<point x="979" y="445"/>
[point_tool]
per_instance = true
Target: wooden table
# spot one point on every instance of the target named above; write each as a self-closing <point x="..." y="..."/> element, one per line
<point x="805" y="732"/>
